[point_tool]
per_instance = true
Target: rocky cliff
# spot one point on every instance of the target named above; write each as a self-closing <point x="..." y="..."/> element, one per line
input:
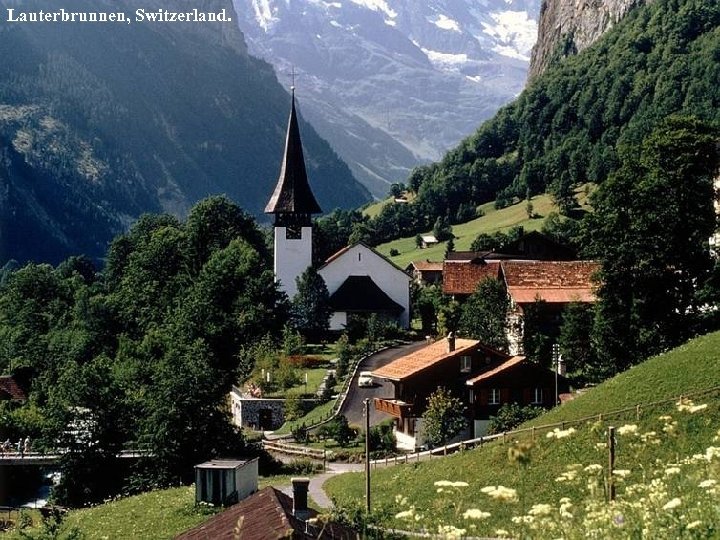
<point x="567" y="27"/>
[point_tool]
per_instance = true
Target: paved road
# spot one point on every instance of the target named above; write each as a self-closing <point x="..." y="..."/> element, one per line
<point x="316" y="490"/>
<point x="353" y="408"/>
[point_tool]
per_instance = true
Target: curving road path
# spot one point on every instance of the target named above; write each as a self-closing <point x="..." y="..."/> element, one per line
<point x="354" y="405"/>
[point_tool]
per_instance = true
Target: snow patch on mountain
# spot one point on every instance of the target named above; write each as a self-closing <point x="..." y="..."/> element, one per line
<point x="514" y="31"/>
<point x="445" y="23"/>
<point x="263" y="14"/>
<point x="393" y="83"/>
<point x="377" y="5"/>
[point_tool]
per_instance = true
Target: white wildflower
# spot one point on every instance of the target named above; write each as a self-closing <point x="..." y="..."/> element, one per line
<point x="627" y="429"/>
<point x="540" y="510"/>
<point x="475" y="513"/>
<point x="558" y="433"/>
<point x="672" y="503"/>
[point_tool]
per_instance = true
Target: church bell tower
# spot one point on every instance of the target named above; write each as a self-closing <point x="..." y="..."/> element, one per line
<point x="292" y="204"/>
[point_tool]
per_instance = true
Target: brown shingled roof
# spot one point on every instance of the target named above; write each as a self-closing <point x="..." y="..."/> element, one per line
<point x="10" y="389"/>
<point x="292" y="193"/>
<point x="265" y="515"/>
<point x="463" y="277"/>
<point x="409" y="365"/>
<point x="551" y="281"/>
<point x="514" y="361"/>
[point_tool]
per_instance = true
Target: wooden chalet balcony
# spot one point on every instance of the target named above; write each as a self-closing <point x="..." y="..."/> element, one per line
<point x="394" y="407"/>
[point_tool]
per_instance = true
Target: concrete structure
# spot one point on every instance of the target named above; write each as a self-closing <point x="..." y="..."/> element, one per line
<point x="259" y="413"/>
<point x="225" y="481"/>
<point x="360" y="280"/>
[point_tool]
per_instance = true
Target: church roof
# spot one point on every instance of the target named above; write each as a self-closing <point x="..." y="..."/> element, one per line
<point x="292" y="193"/>
<point x="361" y="294"/>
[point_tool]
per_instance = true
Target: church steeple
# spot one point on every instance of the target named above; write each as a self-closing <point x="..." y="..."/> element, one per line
<point x="293" y="201"/>
<point x="293" y="204"/>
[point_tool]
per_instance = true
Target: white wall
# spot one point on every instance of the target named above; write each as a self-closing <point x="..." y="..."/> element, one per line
<point x="292" y="258"/>
<point x="246" y="479"/>
<point x="338" y="320"/>
<point x="359" y="260"/>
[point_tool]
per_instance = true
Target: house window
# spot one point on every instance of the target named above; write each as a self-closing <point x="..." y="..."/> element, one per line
<point x="494" y="398"/>
<point x="538" y="395"/>
<point x="465" y="364"/>
<point x="472" y="396"/>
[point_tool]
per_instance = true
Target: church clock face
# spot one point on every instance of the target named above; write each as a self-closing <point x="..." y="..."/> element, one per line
<point x="294" y="232"/>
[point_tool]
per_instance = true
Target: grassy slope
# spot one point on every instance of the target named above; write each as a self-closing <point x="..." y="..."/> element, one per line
<point x="492" y="221"/>
<point x="153" y="515"/>
<point x="691" y="367"/>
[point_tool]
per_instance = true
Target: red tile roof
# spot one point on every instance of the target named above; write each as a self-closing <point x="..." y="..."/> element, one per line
<point x="427" y="266"/>
<point x="265" y="515"/>
<point x="463" y="277"/>
<point x="10" y="389"/>
<point x="409" y="365"/>
<point x="514" y="361"/>
<point x="551" y="281"/>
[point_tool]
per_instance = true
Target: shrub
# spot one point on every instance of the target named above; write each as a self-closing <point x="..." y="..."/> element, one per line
<point x="511" y="415"/>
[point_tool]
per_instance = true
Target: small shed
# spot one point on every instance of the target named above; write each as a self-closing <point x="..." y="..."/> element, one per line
<point x="225" y="481"/>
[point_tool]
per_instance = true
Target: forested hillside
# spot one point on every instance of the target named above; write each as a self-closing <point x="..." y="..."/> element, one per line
<point x="566" y="128"/>
<point x="143" y="355"/>
<point x="101" y="122"/>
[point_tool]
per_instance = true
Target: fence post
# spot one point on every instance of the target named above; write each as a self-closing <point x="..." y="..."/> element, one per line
<point x="533" y="434"/>
<point x="637" y="412"/>
<point x="611" y="462"/>
<point x="504" y="437"/>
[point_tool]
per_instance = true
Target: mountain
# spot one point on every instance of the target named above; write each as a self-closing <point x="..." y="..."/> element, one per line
<point x="100" y="122"/>
<point x="568" y="27"/>
<point x="394" y="83"/>
<point x="568" y="126"/>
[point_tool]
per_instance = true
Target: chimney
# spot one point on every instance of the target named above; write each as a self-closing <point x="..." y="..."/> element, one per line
<point x="451" y="342"/>
<point x="300" y="497"/>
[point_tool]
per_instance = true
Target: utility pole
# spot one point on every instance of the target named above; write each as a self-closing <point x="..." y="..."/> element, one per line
<point x="611" y="463"/>
<point x="367" y="455"/>
<point x="557" y="358"/>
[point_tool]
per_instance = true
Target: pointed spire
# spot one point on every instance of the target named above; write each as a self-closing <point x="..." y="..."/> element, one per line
<point x="292" y="194"/>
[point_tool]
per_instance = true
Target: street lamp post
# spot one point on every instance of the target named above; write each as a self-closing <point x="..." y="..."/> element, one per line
<point x="556" y="365"/>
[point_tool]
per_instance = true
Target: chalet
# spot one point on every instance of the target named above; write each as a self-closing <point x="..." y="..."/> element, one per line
<point x="448" y="363"/>
<point x="483" y="378"/>
<point x="270" y="514"/>
<point x="428" y="240"/>
<point x="360" y="280"/>
<point x="515" y="380"/>
<point x="425" y="272"/>
<point x="550" y="286"/>
<point x="10" y="390"/>
<point x="534" y="246"/>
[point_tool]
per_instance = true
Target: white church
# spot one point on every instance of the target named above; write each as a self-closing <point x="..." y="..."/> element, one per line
<point x="359" y="280"/>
